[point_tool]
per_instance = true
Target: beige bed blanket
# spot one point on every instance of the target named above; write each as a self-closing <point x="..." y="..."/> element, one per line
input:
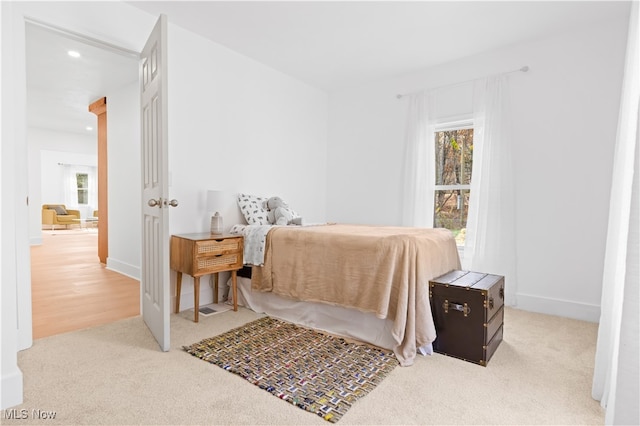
<point x="383" y="270"/>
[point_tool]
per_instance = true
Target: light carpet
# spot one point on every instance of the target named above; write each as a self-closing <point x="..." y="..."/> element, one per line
<point x="115" y="374"/>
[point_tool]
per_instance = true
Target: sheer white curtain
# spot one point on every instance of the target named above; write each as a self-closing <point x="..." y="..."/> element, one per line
<point x="620" y="279"/>
<point x="419" y="175"/>
<point x="490" y="244"/>
<point x="70" y="186"/>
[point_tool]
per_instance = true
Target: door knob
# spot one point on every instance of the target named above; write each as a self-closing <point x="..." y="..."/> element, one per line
<point x="153" y="203"/>
<point x="172" y="203"/>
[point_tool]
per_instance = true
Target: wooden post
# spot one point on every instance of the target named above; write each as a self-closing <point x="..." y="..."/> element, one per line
<point x="99" y="108"/>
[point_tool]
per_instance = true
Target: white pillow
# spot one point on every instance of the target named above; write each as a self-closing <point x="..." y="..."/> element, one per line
<point x="253" y="209"/>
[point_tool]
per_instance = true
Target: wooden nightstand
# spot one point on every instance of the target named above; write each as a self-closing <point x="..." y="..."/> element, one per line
<point x="203" y="254"/>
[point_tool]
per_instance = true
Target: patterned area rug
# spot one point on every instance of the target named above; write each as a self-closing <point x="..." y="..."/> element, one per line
<point x="313" y="371"/>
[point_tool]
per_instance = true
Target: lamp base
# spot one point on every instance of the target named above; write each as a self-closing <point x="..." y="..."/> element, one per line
<point x="216" y="224"/>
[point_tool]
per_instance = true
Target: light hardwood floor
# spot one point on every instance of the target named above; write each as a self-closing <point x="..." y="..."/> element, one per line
<point x="71" y="289"/>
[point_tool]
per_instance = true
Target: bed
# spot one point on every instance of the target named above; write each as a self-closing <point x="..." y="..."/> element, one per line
<point x="365" y="282"/>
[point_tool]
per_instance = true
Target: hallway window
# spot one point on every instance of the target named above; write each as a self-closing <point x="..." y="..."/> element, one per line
<point x="80" y="187"/>
<point x="82" y="184"/>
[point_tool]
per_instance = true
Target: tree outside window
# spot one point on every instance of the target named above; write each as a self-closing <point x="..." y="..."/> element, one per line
<point x="454" y="163"/>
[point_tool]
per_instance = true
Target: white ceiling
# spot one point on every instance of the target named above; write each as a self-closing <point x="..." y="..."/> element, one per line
<point x="334" y="44"/>
<point x="327" y="44"/>
<point x="61" y="88"/>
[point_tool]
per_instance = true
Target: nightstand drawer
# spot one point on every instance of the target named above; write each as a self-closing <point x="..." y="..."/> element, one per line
<point x="219" y="262"/>
<point x="218" y="246"/>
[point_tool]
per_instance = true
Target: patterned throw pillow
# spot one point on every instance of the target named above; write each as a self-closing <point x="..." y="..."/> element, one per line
<point x="59" y="210"/>
<point x="253" y="209"/>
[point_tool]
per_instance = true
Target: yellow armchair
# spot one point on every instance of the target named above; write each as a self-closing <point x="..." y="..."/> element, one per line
<point x="58" y="214"/>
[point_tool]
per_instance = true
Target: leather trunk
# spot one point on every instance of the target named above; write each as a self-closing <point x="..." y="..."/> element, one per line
<point x="468" y="311"/>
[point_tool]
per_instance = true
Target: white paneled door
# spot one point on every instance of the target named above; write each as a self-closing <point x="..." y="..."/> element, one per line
<point x="155" y="217"/>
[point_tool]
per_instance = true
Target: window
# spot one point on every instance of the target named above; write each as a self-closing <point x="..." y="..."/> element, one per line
<point x="454" y="163"/>
<point x="82" y="185"/>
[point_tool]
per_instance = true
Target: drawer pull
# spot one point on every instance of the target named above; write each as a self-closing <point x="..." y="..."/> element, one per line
<point x="465" y="309"/>
<point x="491" y="303"/>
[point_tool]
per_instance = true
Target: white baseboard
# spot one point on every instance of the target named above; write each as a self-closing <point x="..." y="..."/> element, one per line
<point x="35" y="241"/>
<point x="123" y="268"/>
<point x="12" y="390"/>
<point x="558" y="307"/>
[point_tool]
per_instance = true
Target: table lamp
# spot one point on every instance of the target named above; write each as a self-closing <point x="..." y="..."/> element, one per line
<point x="214" y="205"/>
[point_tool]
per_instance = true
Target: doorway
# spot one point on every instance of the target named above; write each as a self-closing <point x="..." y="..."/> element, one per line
<point x="65" y="73"/>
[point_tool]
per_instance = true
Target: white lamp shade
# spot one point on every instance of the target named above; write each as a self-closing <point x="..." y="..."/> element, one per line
<point x="216" y="201"/>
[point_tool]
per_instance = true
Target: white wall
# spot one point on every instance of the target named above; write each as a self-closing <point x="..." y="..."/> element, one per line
<point x="239" y="126"/>
<point x="123" y="163"/>
<point x="564" y="113"/>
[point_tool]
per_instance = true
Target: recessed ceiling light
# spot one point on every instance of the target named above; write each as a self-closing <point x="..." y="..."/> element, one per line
<point x="73" y="54"/>
<point x="89" y="128"/>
